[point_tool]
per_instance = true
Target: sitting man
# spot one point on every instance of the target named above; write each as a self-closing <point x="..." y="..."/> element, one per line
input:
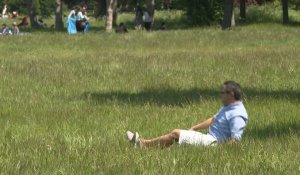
<point x="227" y="125"/>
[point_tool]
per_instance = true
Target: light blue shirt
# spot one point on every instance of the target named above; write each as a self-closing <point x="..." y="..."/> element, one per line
<point x="229" y="123"/>
<point x="72" y="25"/>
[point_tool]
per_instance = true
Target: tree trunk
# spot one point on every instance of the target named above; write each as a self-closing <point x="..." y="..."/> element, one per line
<point x="151" y="8"/>
<point x="32" y="14"/>
<point x="285" y="11"/>
<point x="228" y="10"/>
<point x="115" y="15"/>
<point x="232" y="19"/>
<point x="59" y="25"/>
<point x="109" y="15"/>
<point x="243" y="9"/>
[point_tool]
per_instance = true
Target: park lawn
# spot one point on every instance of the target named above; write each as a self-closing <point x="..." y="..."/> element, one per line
<point x="66" y="101"/>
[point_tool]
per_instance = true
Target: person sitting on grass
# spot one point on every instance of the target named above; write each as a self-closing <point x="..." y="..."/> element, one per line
<point x="121" y="28"/>
<point x="4" y="30"/>
<point x="227" y="125"/>
<point x="25" y="22"/>
<point x="15" y="29"/>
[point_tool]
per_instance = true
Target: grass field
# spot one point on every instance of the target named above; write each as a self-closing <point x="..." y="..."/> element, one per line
<point x="66" y="101"/>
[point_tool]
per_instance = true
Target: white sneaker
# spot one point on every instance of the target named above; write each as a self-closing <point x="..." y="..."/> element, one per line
<point x="130" y="136"/>
<point x="134" y="138"/>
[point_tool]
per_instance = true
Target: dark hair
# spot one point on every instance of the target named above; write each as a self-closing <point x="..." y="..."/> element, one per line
<point x="235" y="88"/>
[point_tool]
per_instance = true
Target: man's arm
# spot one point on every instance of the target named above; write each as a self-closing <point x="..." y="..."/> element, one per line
<point x="203" y="125"/>
<point x="237" y="127"/>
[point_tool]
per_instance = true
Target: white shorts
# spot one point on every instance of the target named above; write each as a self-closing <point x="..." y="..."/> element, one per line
<point x="196" y="138"/>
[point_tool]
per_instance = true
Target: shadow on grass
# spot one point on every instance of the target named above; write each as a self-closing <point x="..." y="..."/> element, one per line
<point x="278" y="129"/>
<point x="93" y="29"/>
<point x="177" y="97"/>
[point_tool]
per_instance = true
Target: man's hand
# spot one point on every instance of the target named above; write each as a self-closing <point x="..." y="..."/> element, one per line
<point x="203" y="125"/>
<point x="232" y="142"/>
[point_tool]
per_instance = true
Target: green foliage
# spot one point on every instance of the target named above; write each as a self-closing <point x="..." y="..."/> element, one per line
<point x="295" y="4"/>
<point x="47" y="8"/>
<point x="204" y="12"/>
<point x="16" y="5"/>
<point x="43" y="8"/>
<point x="269" y="13"/>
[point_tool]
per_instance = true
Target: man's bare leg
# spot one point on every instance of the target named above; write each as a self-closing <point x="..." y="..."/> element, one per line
<point x="162" y="141"/>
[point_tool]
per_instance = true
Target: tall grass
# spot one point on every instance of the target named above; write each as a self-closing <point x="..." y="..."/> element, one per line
<point x="66" y="101"/>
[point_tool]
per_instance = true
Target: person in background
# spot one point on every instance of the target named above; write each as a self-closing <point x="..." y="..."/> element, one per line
<point x="24" y="22"/>
<point x="15" y="14"/>
<point x="4" y="30"/>
<point x="139" y="18"/>
<point x="121" y="29"/>
<point x="79" y="14"/>
<point x="147" y="20"/>
<point x="87" y="22"/>
<point x="72" y="12"/>
<point x="71" y="23"/>
<point x="4" y="15"/>
<point x="15" y="29"/>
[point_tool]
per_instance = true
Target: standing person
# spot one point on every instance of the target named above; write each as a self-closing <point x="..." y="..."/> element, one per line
<point x="71" y="23"/>
<point x="87" y="22"/>
<point x="72" y="12"/>
<point x="227" y="125"/>
<point x="79" y="14"/>
<point x="147" y="20"/>
<point x="139" y="18"/>
<point x="4" y="15"/>
<point x="15" y="29"/>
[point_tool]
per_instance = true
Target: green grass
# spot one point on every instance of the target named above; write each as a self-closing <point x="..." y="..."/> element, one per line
<point x="66" y="101"/>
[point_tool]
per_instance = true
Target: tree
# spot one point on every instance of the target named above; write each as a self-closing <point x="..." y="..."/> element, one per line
<point x="33" y="9"/>
<point x="151" y="8"/>
<point x="285" y="11"/>
<point x="59" y="25"/>
<point x="228" y="11"/>
<point x="243" y="9"/>
<point x="111" y="6"/>
<point x="232" y="18"/>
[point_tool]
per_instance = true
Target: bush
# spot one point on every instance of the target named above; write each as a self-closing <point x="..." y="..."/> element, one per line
<point x="204" y="12"/>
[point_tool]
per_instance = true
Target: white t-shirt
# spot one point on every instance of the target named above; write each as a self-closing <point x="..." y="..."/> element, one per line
<point x="80" y="16"/>
<point x="4" y="11"/>
<point x="147" y="17"/>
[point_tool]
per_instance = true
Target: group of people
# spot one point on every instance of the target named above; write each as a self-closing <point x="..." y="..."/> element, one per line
<point x="143" y="19"/>
<point x="78" y="21"/>
<point x="5" y="30"/>
<point x="10" y="15"/>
